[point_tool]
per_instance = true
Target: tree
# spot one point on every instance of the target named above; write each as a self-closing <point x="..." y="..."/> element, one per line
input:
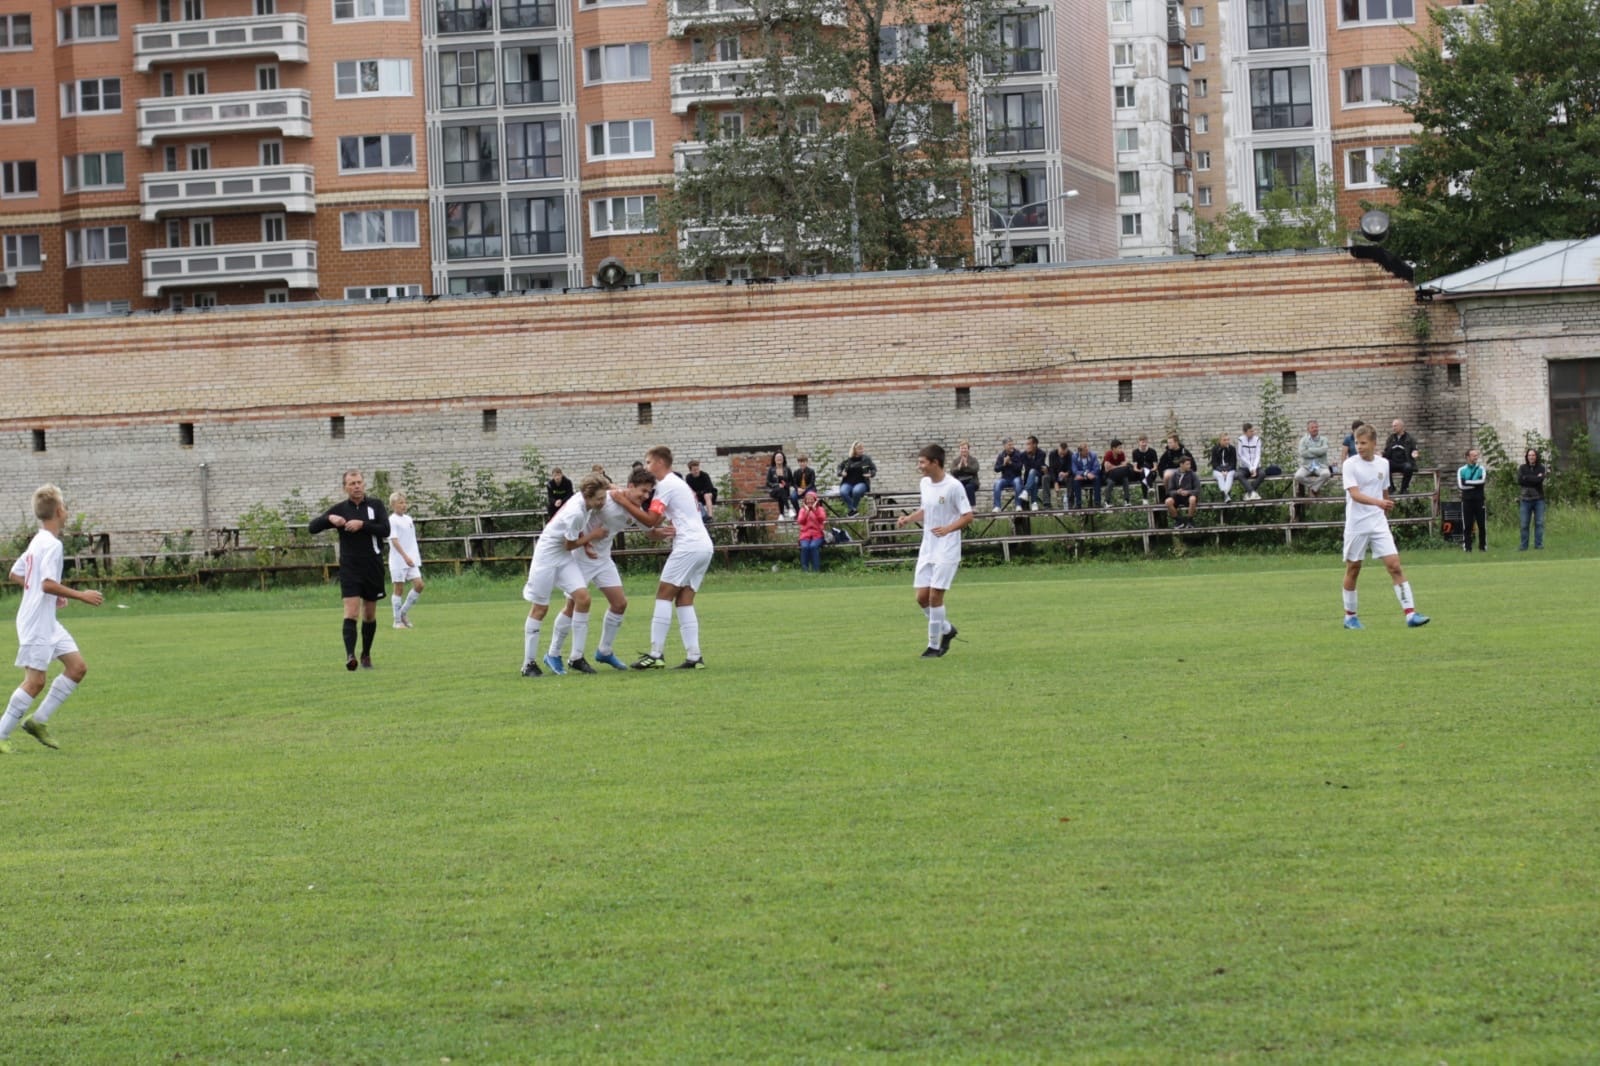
<point x="843" y="150"/>
<point x="1288" y="218"/>
<point x="1509" y="153"/>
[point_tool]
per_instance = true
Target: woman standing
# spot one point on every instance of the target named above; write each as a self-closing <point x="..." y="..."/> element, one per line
<point x="1531" y="475"/>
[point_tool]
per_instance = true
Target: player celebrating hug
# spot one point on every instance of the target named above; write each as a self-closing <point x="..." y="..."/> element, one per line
<point x="555" y="565"/>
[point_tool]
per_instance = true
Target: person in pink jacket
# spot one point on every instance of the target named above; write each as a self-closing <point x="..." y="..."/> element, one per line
<point x="813" y="530"/>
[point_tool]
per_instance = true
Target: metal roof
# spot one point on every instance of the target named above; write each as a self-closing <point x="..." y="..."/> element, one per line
<point x="1572" y="264"/>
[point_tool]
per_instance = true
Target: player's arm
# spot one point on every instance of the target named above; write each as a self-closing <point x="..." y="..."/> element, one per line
<point x="954" y="527"/>
<point x="325" y="521"/>
<point x="648" y="519"/>
<point x="906" y="519"/>
<point x="55" y="588"/>
<point x="1371" y="501"/>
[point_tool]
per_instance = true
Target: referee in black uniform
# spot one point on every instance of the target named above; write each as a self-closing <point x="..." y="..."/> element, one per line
<point x="363" y="526"/>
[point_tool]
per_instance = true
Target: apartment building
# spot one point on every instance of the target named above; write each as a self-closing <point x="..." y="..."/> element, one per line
<point x="172" y="154"/>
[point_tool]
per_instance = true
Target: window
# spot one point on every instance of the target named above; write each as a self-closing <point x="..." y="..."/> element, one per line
<point x="96" y="245"/>
<point x="1019" y="199"/>
<point x="100" y="307"/>
<point x="91" y="95"/>
<point x="897" y="44"/>
<point x="1122" y="55"/>
<point x="622" y="214"/>
<point x="1202" y="160"/>
<point x="538" y="225"/>
<point x="730" y="125"/>
<point x="266" y="7"/>
<point x="491" y="420"/>
<point x="1452" y="375"/>
<point x="1017" y="40"/>
<point x="801" y="405"/>
<point x="271" y="153"/>
<point x="372" y="77"/>
<point x="531" y="75"/>
<point x="1290" y="382"/>
<point x="622" y="140"/>
<point x="16" y="105"/>
<point x="646" y="416"/>
<point x="16" y="33"/>
<point x="199" y="157"/>
<point x="90" y="22"/>
<point x="92" y="170"/>
<point x="193" y="10"/>
<point x="527" y="15"/>
<point x="1014" y="121"/>
<point x="19" y="178"/>
<point x="186" y="434"/>
<point x="471" y="153"/>
<point x="1197" y="16"/>
<point x="267" y="77"/>
<point x="808" y="122"/>
<point x="363" y="10"/>
<point x="275" y="296"/>
<point x="1363" y="166"/>
<point x="336" y="427"/>
<point x="194" y="83"/>
<point x="477" y="283"/>
<point x="205" y="301"/>
<point x="24" y="312"/>
<point x="1375" y="10"/>
<point x="464" y="16"/>
<point x="201" y="233"/>
<point x="1293" y="169"/>
<point x="1121" y="11"/>
<point x="22" y="251"/>
<point x="1280" y="98"/>
<point x="1205" y="196"/>
<point x="1202" y="87"/>
<point x="274" y="228"/>
<point x="1277" y="24"/>
<point x="467" y="78"/>
<point x="1132" y="225"/>
<point x="169" y="83"/>
<point x="963" y="398"/>
<point x="728" y="50"/>
<point x="533" y="150"/>
<point x="1198" y="50"/>
<point x="377" y="151"/>
<point x="616" y="62"/>
<point x="1127" y="183"/>
<point x="1128" y="140"/>
<point x="174" y="230"/>
<point x="378" y="229"/>
<point x="382" y="292"/>
<point x="1123" y="95"/>
<point x="169" y="158"/>
<point x="472" y="229"/>
<point x="1377" y="86"/>
<point x="1124" y="390"/>
<point x="1202" y="124"/>
<point x="38" y="440"/>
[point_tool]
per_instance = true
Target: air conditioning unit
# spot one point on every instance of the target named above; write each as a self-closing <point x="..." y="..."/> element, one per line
<point x="8" y="279"/>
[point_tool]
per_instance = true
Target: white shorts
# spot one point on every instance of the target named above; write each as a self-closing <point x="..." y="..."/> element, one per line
<point x="557" y="573"/>
<point x="686" y="569"/>
<point x="933" y="574"/>
<point x="400" y="573"/>
<point x="1380" y="542"/>
<point x="38" y="656"/>
<point x="601" y="572"/>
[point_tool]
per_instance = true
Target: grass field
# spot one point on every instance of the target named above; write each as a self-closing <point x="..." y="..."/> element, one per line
<point x="1141" y="813"/>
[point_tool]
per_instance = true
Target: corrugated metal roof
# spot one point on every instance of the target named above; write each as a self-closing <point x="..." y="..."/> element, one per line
<point x="1573" y="264"/>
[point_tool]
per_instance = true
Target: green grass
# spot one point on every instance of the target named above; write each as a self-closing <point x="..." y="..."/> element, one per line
<point x="1144" y="812"/>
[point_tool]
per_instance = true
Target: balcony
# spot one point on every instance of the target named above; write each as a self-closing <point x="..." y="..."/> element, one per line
<point x="695" y="84"/>
<point x="281" y="37"/>
<point x="290" y="189"/>
<point x="1178" y="56"/>
<point x="292" y="263"/>
<point x="1177" y="29"/>
<point x="286" y="112"/>
<point x="682" y="15"/>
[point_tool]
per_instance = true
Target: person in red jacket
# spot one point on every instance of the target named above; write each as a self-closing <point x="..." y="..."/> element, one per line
<point x="813" y="524"/>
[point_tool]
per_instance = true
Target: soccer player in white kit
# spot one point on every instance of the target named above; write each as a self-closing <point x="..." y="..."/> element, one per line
<point x="405" y="559"/>
<point x="685" y="567"/>
<point x="40" y="637"/>
<point x="600" y="570"/>
<point x="555" y="565"/>
<point x="944" y="513"/>
<point x="1366" y="527"/>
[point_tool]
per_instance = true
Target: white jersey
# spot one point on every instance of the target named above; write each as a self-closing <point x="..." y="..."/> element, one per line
<point x="614" y="519"/>
<point x="943" y="502"/>
<point x="569" y="523"/>
<point x="678" y="499"/>
<point x="404" y="530"/>
<point x="36" y="618"/>
<point x="1369" y="477"/>
<point x="1249" y="453"/>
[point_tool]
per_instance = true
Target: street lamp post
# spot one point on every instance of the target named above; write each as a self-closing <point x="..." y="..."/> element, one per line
<point x="1011" y="217"/>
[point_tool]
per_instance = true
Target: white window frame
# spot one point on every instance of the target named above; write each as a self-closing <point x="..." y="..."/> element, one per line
<point x="380" y="11"/>
<point x="1202" y="87"/>
<point x="9" y="21"/>
<point x="1202" y="125"/>
<point x="77" y="240"/>
<point x="603" y="213"/>
<point x="1368" y="99"/>
<point x="192" y="151"/>
<point x="1121" y="12"/>
<point x="12" y="247"/>
<point x="393" y="78"/>
<point x="1122" y="54"/>
<point x="101" y="307"/>
<point x="1204" y="197"/>
<point x="276" y="220"/>
<point x="1373" y="155"/>
<point x="1122" y="180"/>
<point x="385" y="141"/>
<point x="586" y="4"/>
<point x="1202" y="159"/>
<point x="270" y="146"/>
<point x="1137" y="230"/>
<point x="1197" y="52"/>
<point x="388" y="221"/>
<point x="275" y="296"/>
<point x="1387" y="20"/>
<point x="10" y="172"/>
<point x="193" y="77"/>
<point x="205" y="301"/>
<point x="630" y="131"/>
<point x="1197" y="16"/>
<point x="597" y="62"/>
<point x="381" y="292"/>
<point x="72" y="171"/>
<point x="1128" y="133"/>
<point x="11" y="100"/>
<point x="67" y="24"/>
<point x="72" y="97"/>
<point x="206" y="227"/>
<point x="267" y="72"/>
<point x="1124" y="97"/>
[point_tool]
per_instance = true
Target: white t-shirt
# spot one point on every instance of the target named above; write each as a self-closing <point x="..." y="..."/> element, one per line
<point x="943" y="502"/>
<point x="36" y="618"/>
<point x="1370" y="477"/>
<point x="614" y="519"/>
<point x="678" y="500"/>
<point x="569" y="523"/>
<point x="403" y="529"/>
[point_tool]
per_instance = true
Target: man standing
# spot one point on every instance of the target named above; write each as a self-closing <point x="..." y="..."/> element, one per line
<point x="1366" y="527"/>
<point x="1470" y="479"/>
<point x="363" y="527"/>
<point x="1401" y="451"/>
<point x="944" y="513"/>
<point x="1312" y="451"/>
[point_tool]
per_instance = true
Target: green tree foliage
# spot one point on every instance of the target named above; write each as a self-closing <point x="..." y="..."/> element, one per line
<point x="1277" y="435"/>
<point x="1509" y="153"/>
<point x="1286" y="220"/>
<point x="841" y="151"/>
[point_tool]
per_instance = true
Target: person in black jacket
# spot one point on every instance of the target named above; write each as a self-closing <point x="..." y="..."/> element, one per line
<point x="363" y="526"/>
<point x="1167" y="463"/>
<point x="1401" y="451"/>
<point x="1144" y="465"/>
<point x="1183" y="491"/>
<point x="780" y="485"/>
<point x="558" y="490"/>
<point x="705" y="490"/>
<point x="1531" y="475"/>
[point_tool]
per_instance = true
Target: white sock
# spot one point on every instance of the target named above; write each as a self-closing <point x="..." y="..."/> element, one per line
<point x="1349" y="601"/>
<point x="580" y="633"/>
<point x="558" y="634"/>
<point x="394" y="602"/>
<point x="60" y="689"/>
<point x="608" y="632"/>
<point x="15" y="710"/>
<point x="660" y="623"/>
<point x="936" y="626"/>
<point x="1402" y="592"/>
<point x="530" y="641"/>
<point x="689" y="631"/>
<point x="411" y="601"/>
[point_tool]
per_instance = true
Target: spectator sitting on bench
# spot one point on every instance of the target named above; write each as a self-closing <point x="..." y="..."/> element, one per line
<point x="813" y="526"/>
<point x="1115" y="469"/>
<point x="1034" y="487"/>
<point x="1058" y="471"/>
<point x="1144" y="465"/>
<point x="1224" y="462"/>
<point x="1401" y="451"/>
<point x="805" y="477"/>
<point x="780" y="485"/>
<point x="1167" y="465"/>
<point x="1085" y="475"/>
<point x="1347" y="449"/>
<point x="856" y="472"/>
<point x="965" y="470"/>
<point x="1008" y="474"/>
<point x="704" y="489"/>
<point x="1250" y="470"/>
<point x="1312" y="451"/>
<point x="1183" y="491"/>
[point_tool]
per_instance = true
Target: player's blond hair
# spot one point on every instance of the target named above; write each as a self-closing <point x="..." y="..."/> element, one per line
<point x="593" y="486"/>
<point x="396" y="498"/>
<point x="662" y="452"/>
<point x="47" y="502"/>
<point x="1366" y="432"/>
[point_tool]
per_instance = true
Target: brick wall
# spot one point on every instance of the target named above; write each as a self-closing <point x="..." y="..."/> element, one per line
<point x="893" y="360"/>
